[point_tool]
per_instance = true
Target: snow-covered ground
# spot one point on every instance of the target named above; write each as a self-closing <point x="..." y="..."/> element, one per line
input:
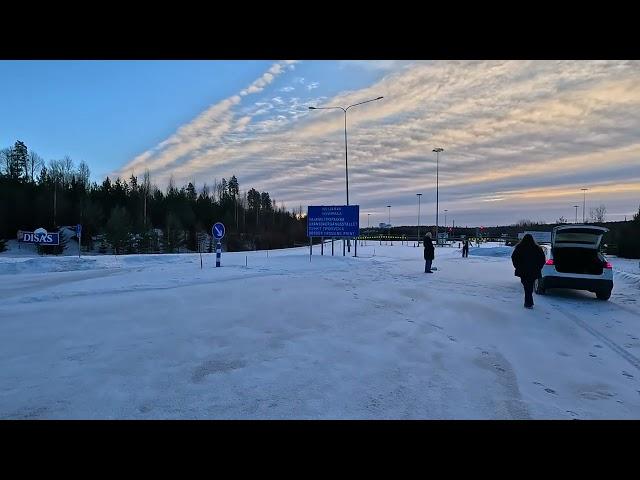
<point x="154" y="336"/>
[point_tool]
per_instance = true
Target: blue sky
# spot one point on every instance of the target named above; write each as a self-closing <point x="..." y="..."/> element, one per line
<point x="520" y="137"/>
<point x="108" y="112"/>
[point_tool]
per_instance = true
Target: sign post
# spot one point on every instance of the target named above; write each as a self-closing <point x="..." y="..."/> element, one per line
<point x="79" y="234"/>
<point x="218" y="231"/>
<point x="335" y="221"/>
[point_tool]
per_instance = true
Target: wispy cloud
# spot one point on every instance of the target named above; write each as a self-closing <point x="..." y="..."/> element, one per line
<point x="520" y="138"/>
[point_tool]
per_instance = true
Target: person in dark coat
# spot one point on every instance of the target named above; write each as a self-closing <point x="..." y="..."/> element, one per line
<point x="528" y="259"/>
<point x="465" y="248"/>
<point x="429" y="253"/>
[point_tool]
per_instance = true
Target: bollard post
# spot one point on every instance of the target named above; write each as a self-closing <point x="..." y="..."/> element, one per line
<point x="332" y="246"/>
<point x="218" y="252"/>
<point x="321" y="245"/>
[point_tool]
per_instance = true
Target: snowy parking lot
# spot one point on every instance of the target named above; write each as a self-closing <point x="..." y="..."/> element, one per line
<point x="283" y="336"/>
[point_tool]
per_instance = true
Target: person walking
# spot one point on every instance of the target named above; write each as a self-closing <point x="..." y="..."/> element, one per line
<point x="528" y="259"/>
<point x="465" y="248"/>
<point x="429" y="253"/>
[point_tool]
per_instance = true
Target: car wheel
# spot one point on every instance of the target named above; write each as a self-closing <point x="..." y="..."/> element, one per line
<point x="539" y="286"/>
<point x="603" y="294"/>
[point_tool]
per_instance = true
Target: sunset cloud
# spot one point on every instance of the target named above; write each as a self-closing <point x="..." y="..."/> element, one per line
<point x="520" y="139"/>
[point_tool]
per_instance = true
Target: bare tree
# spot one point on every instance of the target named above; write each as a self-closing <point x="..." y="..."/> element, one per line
<point x="84" y="174"/>
<point x="598" y="214"/>
<point x="55" y="171"/>
<point x="5" y="159"/>
<point x="67" y="170"/>
<point x="34" y="163"/>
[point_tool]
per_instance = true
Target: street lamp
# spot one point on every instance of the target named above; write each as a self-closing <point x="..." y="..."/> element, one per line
<point x="419" y="195"/>
<point x="445" y="221"/>
<point x="346" y="154"/>
<point x="437" y="150"/>
<point x="576" y="207"/>
<point x="389" y="229"/>
<point x="368" y="231"/>
<point x="584" y="200"/>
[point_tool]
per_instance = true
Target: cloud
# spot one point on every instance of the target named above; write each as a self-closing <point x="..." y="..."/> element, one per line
<point x="520" y="138"/>
<point x="312" y="85"/>
<point x="375" y="64"/>
<point x="203" y="131"/>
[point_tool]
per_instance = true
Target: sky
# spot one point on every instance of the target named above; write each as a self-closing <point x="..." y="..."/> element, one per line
<point x="520" y="138"/>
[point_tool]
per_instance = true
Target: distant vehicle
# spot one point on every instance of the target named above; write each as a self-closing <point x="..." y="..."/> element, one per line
<point x="574" y="260"/>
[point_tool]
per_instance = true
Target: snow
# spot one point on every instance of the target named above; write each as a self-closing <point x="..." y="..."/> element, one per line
<point x="289" y="336"/>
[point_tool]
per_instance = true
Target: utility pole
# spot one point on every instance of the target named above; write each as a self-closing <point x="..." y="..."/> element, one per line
<point x="437" y="150"/>
<point x="418" y="195"/>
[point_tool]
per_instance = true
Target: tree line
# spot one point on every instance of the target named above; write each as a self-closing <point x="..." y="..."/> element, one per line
<point x="134" y="215"/>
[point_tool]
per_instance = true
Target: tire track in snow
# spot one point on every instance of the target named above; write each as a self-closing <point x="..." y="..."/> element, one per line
<point x="622" y="352"/>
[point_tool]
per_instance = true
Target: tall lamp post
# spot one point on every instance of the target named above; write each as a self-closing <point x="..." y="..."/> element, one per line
<point x="576" y="207"/>
<point x="389" y="229"/>
<point x="584" y="201"/>
<point x="437" y="150"/>
<point x="419" y="195"/>
<point x="346" y="153"/>
<point x="445" y="221"/>
<point x="368" y="231"/>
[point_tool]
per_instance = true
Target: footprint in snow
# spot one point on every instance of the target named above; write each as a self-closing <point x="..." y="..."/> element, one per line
<point x="550" y="390"/>
<point x="627" y="374"/>
<point x="592" y="355"/>
<point x="597" y="346"/>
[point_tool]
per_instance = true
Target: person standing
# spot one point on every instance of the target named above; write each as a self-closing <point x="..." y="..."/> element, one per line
<point x="528" y="259"/>
<point x="429" y="253"/>
<point x="465" y="248"/>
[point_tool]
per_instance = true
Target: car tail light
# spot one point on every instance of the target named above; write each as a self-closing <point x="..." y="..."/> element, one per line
<point x="608" y="265"/>
<point x="549" y="262"/>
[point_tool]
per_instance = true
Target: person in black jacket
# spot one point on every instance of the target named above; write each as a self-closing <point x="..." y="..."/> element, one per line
<point x="528" y="259"/>
<point x="429" y="253"/>
<point x="465" y="248"/>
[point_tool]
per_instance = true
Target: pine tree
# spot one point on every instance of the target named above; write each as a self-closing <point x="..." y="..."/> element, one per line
<point x="18" y="161"/>
<point x="117" y="229"/>
<point x="173" y="235"/>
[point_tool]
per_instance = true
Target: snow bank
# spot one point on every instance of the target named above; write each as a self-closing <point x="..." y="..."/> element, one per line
<point x="47" y="264"/>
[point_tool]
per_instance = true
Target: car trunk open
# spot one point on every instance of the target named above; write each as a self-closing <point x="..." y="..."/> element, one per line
<point x="577" y="260"/>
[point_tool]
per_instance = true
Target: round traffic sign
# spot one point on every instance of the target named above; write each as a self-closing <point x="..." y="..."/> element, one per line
<point x="218" y="231"/>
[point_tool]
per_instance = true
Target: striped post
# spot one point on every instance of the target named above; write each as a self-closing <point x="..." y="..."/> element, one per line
<point x="218" y="252"/>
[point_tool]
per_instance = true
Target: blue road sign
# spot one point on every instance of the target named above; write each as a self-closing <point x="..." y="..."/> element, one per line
<point x="218" y="231"/>
<point x="333" y="221"/>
